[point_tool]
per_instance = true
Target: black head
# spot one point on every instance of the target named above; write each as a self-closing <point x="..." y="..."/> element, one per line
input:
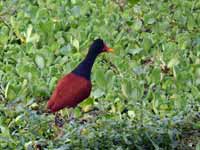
<point x="99" y="46"/>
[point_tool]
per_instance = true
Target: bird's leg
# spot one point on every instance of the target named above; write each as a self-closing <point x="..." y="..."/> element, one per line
<point x="59" y="120"/>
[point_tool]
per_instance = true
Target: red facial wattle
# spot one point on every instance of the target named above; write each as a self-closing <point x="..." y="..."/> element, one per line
<point x="107" y="49"/>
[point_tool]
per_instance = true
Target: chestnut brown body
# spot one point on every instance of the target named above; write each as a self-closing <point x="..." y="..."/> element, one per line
<point x="70" y="91"/>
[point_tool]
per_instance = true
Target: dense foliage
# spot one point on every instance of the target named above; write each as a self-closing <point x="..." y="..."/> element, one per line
<point x="146" y="95"/>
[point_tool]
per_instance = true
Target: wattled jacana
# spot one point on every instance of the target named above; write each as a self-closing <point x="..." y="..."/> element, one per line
<point x="76" y="86"/>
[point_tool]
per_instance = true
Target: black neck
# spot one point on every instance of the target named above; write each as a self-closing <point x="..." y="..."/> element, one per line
<point x="85" y="67"/>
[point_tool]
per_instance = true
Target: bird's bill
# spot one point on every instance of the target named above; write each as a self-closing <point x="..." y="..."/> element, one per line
<point x="110" y="50"/>
<point x="107" y="49"/>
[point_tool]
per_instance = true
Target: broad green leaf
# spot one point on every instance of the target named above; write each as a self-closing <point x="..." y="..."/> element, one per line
<point x="34" y="38"/>
<point x="11" y="93"/>
<point x="97" y="93"/>
<point x="126" y="88"/>
<point x="39" y="60"/>
<point x="139" y="70"/>
<point x="155" y="75"/>
<point x="29" y="32"/>
<point x="76" y="11"/>
<point x="198" y="146"/>
<point x="155" y="104"/>
<point x="100" y="78"/>
<point x="75" y="43"/>
<point x="88" y="101"/>
<point x="66" y="49"/>
<point x="86" y="105"/>
<point x="131" y="114"/>
<point x="109" y="79"/>
<point x="4" y="35"/>
<point x="137" y="25"/>
<point x="173" y="62"/>
<point x="133" y="2"/>
<point x="191" y="22"/>
<point x="135" y="51"/>
<point x="77" y="112"/>
<point x="147" y="43"/>
<point x="151" y="20"/>
<point x="31" y="37"/>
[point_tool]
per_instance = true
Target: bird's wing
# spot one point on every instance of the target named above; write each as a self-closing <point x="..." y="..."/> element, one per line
<point x="70" y="91"/>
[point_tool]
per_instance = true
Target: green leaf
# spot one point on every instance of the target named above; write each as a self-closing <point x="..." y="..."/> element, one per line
<point x="52" y="83"/>
<point x="155" y="75"/>
<point x="100" y="78"/>
<point x="10" y="93"/>
<point x="173" y="62"/>
<point x="131" y="114"/>
<point x="97" y="93"/>
<point x="4" y="35"/>
<point x="198" y="146"/>
<point x="133" y="2"/>
<point x="109" y="79"/>
<point x="151" y="20"/>
<point x="39" y="60"/>
<point x="137" y="25"/>
<point x="76" y="11"/>
<point x="147" y="43"/>
<point x="135" y="51"/>
<point x="31" y="37"/>
<point x="6" y="90"/>
<point x="5" y="134"/>
<point x="28" y="32"/>
<point x="75" y="43"/>
<point x="87" y="105"/>
<point x="139" y="70"/>
<point x="66" y="49"/>
<point x="191" y="22"/>
<point x="126" y="88"/>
